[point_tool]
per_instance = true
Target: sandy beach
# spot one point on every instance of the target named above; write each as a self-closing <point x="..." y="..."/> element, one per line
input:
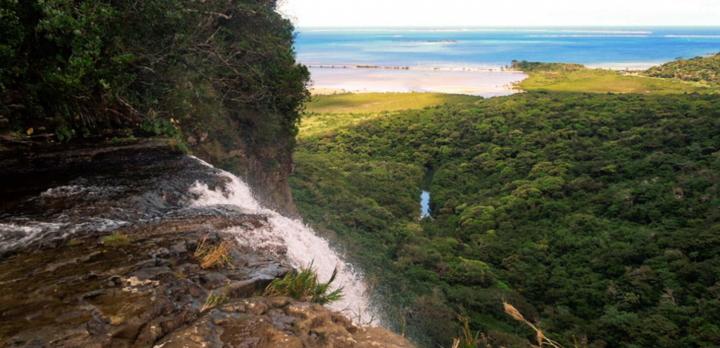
<point x="486" y="83"/>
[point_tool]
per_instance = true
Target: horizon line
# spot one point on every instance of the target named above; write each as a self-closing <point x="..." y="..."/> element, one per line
<point x="511" y="26"/>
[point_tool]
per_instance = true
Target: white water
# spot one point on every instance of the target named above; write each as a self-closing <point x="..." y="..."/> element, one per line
<point x="302" y="245"/>
<point x="424" y="205"/>
<point x="23" y="232"/>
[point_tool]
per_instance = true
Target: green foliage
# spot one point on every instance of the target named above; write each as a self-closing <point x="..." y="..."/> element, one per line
<point x="470" y="272"/>
<point x="377" y="102"/>
<point x="467" y="339"/>
<point x="304" y="285"/>
<point x="115" y="240"/>
<point x="595" y="212"/>
<point x="698" y="69"/>
<point x="561" y="77"/>
<point x="90" y="68"/>
<point x="158" y="127"/>
<point x="213" y="300"/>
<point x="605" y="81"/>
<point x="335" y="112"/>
<point x="526" y="66"/>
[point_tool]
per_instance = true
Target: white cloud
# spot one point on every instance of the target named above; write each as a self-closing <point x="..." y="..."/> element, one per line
<point x="502" y="12"/>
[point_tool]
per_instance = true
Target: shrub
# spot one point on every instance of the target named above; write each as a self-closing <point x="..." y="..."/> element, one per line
<point x="700" y="69"/>
<point x="304" y="285"/>
<point x="526" y="66"/>
<point x="474" y="272"/>
<point x="86" y="68"/>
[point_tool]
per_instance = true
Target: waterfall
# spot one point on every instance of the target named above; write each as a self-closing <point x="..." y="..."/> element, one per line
<point x="99" y="203"/>
<point x="302" y="245"/>
<point x="425" y="205"/>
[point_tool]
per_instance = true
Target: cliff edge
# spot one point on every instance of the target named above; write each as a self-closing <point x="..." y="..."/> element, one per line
<point x="105" y="246"/>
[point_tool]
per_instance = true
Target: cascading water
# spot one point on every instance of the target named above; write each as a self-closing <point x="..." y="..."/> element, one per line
<point x="302" y="246"/>
<point x="165" y="188"/>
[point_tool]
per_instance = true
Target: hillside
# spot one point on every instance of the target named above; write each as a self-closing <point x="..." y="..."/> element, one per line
<point x="698" y="69"/>
<point x="559" y="77"/>
<point x="111" y="234"/>
<point x="219" y="77"/>
<point x="595" y="215"/>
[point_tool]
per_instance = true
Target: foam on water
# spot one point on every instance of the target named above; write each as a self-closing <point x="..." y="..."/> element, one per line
<point x="302" y="245"/>
<point x="21" y="233"/>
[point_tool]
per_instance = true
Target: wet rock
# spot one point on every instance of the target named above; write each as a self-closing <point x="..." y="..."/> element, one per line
<point x="213" y="280"/>
<point x="120" y="299"/>
<point x="124" y="301"/>
<point x="179" y="248"/>
<point x="97" y="249"/>
<point x="278" y="322"/>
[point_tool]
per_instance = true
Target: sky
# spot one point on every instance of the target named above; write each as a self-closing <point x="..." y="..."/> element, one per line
<point x="354" y="13"/>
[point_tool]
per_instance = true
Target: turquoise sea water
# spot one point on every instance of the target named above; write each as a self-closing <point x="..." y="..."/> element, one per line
<point x="493" y="47"/>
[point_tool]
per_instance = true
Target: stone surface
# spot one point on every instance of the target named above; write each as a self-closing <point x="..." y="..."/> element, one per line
<point x="86" y="293"/>
<point x="98" y="249"/>
<point x="278" y="322"/>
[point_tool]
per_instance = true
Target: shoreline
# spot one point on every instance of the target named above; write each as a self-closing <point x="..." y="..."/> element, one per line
<point x="486" y="81"/>
<point x="371" y="79"/>
<point x="439" y="68"/>
<point x="620" y="66"/>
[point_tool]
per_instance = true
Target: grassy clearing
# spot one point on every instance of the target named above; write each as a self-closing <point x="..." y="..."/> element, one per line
<point x="608" y="81"/>
<point x="326" y="114"/>
<point x="377" y="102"/>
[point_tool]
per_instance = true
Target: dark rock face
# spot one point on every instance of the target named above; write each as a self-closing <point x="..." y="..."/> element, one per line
<point x="102" y="247"/>
<point x="27" y="169"/>
<point x="266" y="168"/>
<point x="54" y="194"/>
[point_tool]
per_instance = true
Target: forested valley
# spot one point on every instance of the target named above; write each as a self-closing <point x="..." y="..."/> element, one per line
<point x="595" y="215"/>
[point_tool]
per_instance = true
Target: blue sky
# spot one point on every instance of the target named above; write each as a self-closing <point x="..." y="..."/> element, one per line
<point x="339" y="13"/>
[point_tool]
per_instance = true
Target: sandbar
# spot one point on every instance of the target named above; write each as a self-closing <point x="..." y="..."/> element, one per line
<point x="486" y="83"/>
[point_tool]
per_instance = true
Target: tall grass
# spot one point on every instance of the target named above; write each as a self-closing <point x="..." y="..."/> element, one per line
<point x="468" y="339"/>
<point x="304" y="285"/>
<point x="542" y="340"/>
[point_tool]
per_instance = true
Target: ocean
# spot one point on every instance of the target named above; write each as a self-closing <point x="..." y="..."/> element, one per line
<point x="474" y="60"/>
<point x="454" y="48"/>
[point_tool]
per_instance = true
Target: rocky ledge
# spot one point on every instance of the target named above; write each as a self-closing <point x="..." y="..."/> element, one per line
<point x="118" y="258"/>
<point x="152" y="291"/>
